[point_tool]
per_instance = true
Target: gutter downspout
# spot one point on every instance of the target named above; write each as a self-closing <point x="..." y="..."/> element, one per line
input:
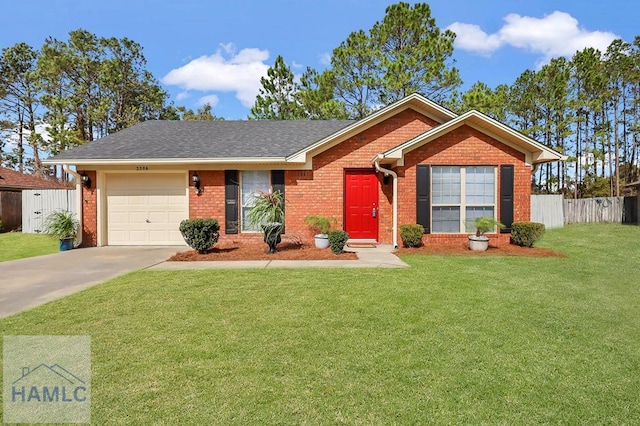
<point x="76" y="177"/>
<point x="394" y="175"/>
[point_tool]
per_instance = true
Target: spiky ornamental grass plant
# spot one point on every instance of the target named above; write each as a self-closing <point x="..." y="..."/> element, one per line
<point x="267" y="213"/>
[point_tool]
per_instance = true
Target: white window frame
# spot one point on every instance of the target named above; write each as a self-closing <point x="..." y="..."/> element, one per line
<point x="463" y="226"/>
<point x="247" y="204"/>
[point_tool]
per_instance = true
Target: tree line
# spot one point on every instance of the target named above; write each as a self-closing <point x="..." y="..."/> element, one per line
<point x="586" y="107"/>
<point x="68" y="93"/>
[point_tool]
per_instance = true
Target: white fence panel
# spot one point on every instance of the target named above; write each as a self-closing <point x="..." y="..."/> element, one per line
<point x="37" y="204"/>
<point x="547" y="209"/>
<point x="594" y="210"/>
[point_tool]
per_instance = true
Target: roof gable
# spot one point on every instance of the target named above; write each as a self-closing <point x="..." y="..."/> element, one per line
<point x="414" y="101"/>
<point x="534" y="151"/>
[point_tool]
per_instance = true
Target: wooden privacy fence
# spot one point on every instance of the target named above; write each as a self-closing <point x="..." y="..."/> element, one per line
<point x="37" y="204"/>
<point x="10" y="210"/>
<point x="547" y="209"/>
<point x="594" y="210"/>
<point x="555" y="211"/>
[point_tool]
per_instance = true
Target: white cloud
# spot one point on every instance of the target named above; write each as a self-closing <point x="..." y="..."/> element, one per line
<point x="325" y="58"/>
<point x="209" y="99"/>
<point x="182" y="96"/>
<point x="471" y="37"/>
<point x="295" y="64"/>
<point x="239" y="73"/>
<point x="557" y="34"/>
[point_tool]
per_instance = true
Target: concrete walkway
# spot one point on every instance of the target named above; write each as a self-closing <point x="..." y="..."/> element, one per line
<point x="370" y="257"/>
<point x="31" y="282"/>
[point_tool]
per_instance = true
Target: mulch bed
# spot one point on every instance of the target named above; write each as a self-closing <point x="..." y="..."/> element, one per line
<point x="463" y="249"/>
<point x="287" y="250"/>
<point x="294" y="250"/>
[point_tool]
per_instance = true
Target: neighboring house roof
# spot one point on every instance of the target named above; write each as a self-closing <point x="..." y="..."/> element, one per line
<point x="199" y="141"/>
<point x="534" y="151"/>
<point x="11" y="179"/>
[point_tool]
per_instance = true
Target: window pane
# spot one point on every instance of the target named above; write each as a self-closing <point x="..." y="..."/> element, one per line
<point x="446" y="219"/>
<point x="472" y="213"/>
<point x="480" y="185"/>
<point x="446" y="185"/>
<point x="252" y="181"/>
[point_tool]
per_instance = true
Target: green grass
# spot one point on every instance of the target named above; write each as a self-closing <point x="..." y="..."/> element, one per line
<point x="453" y="339"/>
<point x="16" y="245"/>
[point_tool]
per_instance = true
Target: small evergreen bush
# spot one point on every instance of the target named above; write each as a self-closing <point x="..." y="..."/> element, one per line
<point x="318" y="224"/>
<point x="200" y="234"/>
<point x="525" y="234"/>
<point x="337" y="240"/>
<point x="411" y="234"/>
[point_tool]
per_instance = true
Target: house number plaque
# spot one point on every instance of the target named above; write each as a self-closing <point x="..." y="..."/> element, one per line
<point x="142" y="168"/>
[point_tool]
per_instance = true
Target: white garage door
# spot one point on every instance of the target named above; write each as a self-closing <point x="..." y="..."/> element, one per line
<point x="146" y="209"/>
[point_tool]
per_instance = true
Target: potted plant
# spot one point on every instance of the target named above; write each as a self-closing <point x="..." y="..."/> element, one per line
<point x="63" y="225"/>
<point x="483" y="224"/>
<point x="320" y="226"/>
<point x="267" y="212"/>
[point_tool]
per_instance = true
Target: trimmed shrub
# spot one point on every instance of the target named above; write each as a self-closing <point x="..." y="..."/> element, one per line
<point x="525" y="234"/>
<point x="411" y="234"/>
<point x="337" y="240"/>
<point x="200" y="234"/>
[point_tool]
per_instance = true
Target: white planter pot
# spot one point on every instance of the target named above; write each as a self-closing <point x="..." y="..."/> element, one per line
<point x="480" y="243"/>
<point x="322" y="241"/>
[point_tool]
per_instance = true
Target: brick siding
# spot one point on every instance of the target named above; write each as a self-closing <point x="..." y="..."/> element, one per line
<point x="321" y="190"/>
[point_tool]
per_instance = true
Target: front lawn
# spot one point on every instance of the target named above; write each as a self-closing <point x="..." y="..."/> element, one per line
<point x="16" y="245"/>
<point x="453" y="339"/>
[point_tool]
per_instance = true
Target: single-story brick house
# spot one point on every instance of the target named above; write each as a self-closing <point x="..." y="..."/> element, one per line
<point x="410" y="162"/>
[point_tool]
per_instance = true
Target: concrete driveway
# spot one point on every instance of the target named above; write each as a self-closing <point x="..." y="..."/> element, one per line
<point x="27" y="283"/>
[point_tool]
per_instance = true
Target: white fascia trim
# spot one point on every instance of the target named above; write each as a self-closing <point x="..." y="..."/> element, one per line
<point x="165" y="161"/>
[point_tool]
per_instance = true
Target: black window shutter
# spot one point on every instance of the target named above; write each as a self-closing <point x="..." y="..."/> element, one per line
<point x="277" y="183"/>
<point x="231" y="187"/>
<point x="423" y="204"/>
<point x="506" y="196"/>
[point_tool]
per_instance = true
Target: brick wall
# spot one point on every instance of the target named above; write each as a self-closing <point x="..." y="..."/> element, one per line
<point x="210" y="202"/>
<point x="464" y="146"/>
<point x="89" y="212"/>
<point x="321" y="190"/>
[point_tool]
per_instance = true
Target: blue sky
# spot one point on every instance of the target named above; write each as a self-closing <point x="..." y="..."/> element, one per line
<point x="215" y="51"/>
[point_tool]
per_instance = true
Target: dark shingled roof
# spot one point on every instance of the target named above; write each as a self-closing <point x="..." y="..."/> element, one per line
<point x="207" y="139"/>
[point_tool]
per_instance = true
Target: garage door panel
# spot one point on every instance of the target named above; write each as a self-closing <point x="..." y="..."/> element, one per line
<point x="138" y="237"/>
<point x="117" y="217"/>
<point x="158" y="236"/>
<point x="146" y="209"/>
<point x="137" y="200"/>
<point x="116" y="200"/>
<point x="176" y="217"/>
<point x="137" y="217"/>
<point x="158" y="217"/>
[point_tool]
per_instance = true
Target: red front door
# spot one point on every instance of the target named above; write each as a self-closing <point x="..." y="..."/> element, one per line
<point x="361" y="204"/>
